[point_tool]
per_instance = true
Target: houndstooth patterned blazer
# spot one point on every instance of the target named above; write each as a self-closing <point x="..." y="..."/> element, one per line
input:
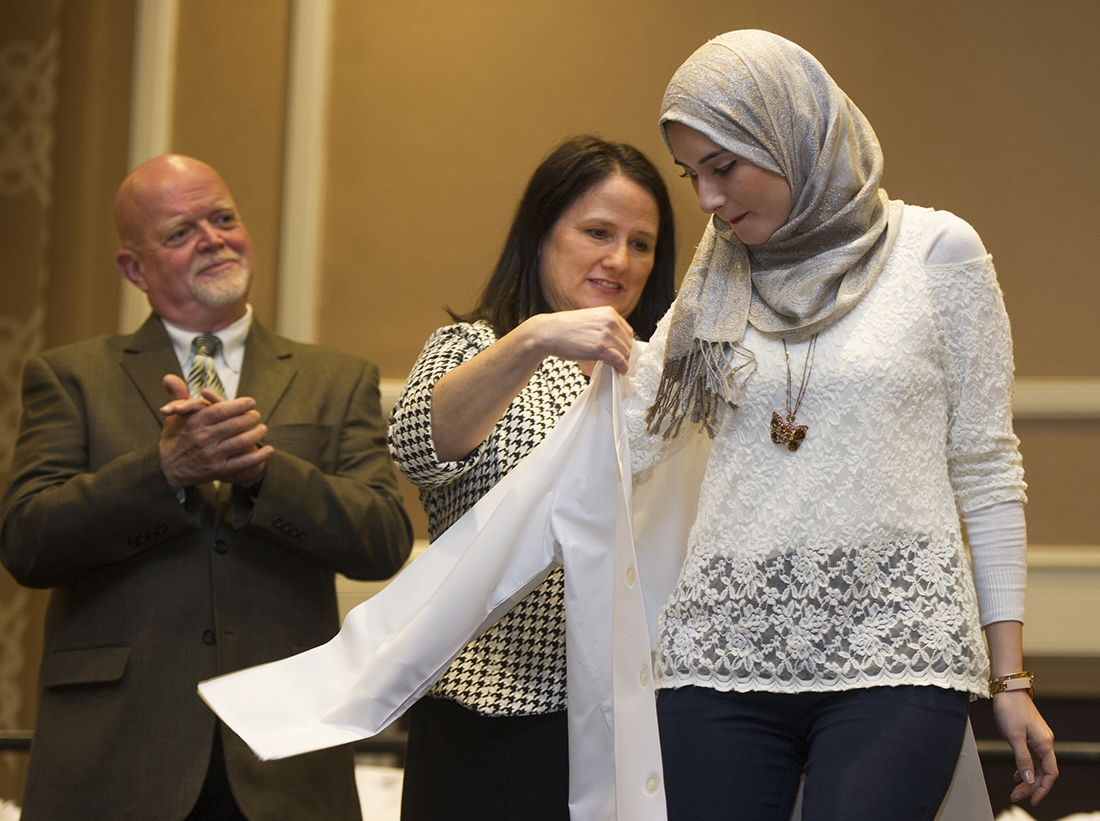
<point x="518" y="666"/>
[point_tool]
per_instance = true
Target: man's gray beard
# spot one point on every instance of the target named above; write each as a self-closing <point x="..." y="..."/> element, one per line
<point x="223" y="292"/>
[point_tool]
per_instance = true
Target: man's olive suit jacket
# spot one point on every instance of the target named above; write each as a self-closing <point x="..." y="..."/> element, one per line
<point x="151" y="595"/>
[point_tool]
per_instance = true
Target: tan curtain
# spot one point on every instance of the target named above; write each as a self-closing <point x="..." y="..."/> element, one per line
<point x="64" y="118"/>
<point x="28" y="93"/>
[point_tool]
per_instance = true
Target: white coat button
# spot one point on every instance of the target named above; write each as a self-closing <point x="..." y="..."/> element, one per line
<point x="630" y="575"/>
<point x="651" y="784"/>
<point x="644" y="677"/>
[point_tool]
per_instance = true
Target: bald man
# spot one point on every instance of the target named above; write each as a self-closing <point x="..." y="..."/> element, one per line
<point x="190" y="525"/>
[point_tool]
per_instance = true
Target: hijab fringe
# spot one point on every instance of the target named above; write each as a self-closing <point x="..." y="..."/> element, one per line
<point x="694" y="382"/>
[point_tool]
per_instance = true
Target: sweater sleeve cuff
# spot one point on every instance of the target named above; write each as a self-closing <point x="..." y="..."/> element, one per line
<point x="997" y="536"/>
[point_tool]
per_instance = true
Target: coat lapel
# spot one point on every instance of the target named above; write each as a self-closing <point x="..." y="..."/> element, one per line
<point x="146" y="357"/>
<point x="268" y="369"/>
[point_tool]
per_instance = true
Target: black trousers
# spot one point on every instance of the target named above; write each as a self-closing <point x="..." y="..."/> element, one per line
<point x="874" y="754"/>
<point x="462" y="765"/>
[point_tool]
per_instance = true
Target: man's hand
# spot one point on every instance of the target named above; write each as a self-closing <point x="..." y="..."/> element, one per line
<point x="209" y="438"/>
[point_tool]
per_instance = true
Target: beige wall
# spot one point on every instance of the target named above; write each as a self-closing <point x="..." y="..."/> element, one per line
<point x="439" y="111"/>
<point x="89" y="158"/>
<point x="230" y="111"/>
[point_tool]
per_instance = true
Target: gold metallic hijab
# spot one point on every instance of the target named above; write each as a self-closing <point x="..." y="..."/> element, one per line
<point x="770" y="102"/>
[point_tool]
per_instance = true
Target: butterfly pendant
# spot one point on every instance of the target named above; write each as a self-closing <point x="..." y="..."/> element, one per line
<point x="786" y="432"/>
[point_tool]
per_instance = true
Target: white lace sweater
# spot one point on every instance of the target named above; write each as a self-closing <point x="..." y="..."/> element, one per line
<point x="842" y="565"/>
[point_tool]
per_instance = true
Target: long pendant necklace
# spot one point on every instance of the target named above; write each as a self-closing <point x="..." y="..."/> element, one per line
<point x="784" y="431"/>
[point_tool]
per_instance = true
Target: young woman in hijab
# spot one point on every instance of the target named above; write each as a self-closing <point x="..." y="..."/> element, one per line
<point x="587" y="266"/>
<point x="850" y="356"/>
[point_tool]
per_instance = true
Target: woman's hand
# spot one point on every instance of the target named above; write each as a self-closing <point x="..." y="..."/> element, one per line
<point x="586" y="335"/>
<point x="469" y="400"/>
<point x="1017" y="719"/>
<point x="1032" y="743"/>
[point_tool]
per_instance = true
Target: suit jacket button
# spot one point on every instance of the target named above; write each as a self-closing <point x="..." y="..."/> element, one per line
<point x="208" y="637"/>
<point x="277" y="521"/>
<point x="220" y="546"/>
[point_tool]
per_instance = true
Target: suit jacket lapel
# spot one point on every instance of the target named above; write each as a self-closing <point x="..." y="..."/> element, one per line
<point x="268" y="369"/>
<point x="146" y="357"/>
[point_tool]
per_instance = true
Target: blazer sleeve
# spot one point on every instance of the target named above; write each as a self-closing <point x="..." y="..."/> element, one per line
<point x="346" y="515"/>
<point x="60" y="517"/>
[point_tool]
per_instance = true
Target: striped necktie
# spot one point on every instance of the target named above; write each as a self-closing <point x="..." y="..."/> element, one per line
<point x="204" y="348"/>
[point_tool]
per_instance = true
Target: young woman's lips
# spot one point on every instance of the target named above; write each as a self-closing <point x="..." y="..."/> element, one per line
<point x="606" y="285"/>
<point x="736" y="220"/>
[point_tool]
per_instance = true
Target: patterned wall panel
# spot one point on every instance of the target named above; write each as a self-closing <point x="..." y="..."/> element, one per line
<point x="28" y="94"/>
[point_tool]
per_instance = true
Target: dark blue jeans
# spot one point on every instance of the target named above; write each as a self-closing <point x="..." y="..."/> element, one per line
<point x="875" y="754"/>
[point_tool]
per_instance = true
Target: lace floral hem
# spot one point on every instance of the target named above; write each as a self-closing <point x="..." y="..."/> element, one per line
<point x="822" y="617"/>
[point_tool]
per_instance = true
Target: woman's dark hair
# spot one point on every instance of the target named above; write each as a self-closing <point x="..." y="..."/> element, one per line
<point x="513" y="292"/>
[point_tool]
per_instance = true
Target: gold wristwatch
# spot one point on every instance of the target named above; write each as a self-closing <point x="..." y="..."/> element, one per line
<point x="1016" y="681"/>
